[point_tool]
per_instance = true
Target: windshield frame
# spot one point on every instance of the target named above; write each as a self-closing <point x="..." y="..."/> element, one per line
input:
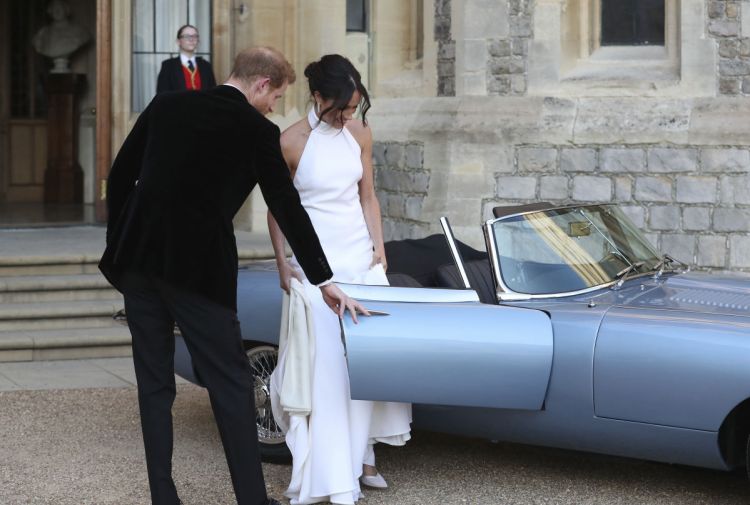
<point x="504" y="293"/>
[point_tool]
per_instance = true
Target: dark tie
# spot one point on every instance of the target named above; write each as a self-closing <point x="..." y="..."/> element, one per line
<point x="191" y="67"/>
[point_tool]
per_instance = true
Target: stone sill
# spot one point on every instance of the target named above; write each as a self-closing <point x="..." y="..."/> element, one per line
<point x="619" y="71"/>
<point x="593" y="85"/>
<point x="631" y="71"/>
<point x="622" y="71"/>
<point x="659" y="84"/>
<point x="629" y="53"/>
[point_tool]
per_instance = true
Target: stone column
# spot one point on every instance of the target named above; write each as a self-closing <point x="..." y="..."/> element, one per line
<point x="474" y="23"/>
<point x="63" y="179"/>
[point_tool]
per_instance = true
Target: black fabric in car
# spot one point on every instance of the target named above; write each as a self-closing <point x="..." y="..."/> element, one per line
<point x="480" y="279"/>
<point x="399" y="280"/>
<point x="420" y="258"/>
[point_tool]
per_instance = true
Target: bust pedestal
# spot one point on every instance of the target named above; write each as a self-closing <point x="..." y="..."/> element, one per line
<point x="63" y="179"/>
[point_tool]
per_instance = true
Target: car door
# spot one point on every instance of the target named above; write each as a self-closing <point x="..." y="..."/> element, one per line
<point x="432" y="347"/>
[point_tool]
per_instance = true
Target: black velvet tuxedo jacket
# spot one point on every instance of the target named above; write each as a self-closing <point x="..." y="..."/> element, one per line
<point x="182" y="173"/>
<point x="172" y="78"/>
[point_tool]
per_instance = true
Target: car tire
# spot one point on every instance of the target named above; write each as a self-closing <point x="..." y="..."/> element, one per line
<point x="273" y="448"/>
<point x="747" y="457"/>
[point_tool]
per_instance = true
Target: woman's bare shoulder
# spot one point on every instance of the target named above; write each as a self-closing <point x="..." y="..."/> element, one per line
<point x="360" y="131"/>
<point x="295" y="137"/>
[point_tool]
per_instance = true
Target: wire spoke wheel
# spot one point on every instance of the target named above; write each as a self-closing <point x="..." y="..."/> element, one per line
<point x="262" y="361"/>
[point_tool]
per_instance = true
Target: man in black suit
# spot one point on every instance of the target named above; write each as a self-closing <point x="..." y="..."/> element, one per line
<point x="182" y="173"/>
<point x="185" y="71"/>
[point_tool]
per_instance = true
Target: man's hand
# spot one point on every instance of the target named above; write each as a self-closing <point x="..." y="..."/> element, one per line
<point x="340" y="302"/>
<point x="286" y="272"/>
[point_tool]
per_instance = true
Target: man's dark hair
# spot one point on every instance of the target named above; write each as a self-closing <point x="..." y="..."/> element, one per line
<point x="179" y="32"/>
<point x="255" y="62"/>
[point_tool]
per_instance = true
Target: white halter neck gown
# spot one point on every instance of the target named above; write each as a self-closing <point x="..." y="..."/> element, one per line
<point x="337" y="439"/>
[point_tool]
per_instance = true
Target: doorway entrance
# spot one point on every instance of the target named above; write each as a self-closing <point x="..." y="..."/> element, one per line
<point x="24" y="115"/>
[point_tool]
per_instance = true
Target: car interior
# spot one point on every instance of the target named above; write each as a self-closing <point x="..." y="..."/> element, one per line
<point x="428" y="262"/>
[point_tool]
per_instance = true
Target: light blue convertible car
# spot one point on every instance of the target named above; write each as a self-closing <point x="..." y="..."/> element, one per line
<point x="570" y="331"/>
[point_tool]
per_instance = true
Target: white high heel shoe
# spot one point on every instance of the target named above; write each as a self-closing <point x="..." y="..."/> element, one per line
<point x="376" y="481"/>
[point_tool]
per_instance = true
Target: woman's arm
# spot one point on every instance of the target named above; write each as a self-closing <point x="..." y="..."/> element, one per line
<point x="286" y="272"/>
<point x="367" y="197"/>
<point x="289" y="150"/>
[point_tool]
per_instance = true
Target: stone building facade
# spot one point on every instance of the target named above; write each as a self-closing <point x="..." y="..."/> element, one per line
<point x="476" y="103"/>
<point x="530" y="107"/>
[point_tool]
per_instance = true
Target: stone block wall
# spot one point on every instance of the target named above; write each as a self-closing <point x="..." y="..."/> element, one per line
<point x="691" y="202"/>
<point x="724" y="24"/>
<point x="507" y="57"/>
<point x="402" y="184"/>
<point x="505" y="51"/>
<point x="682" y="175"/>
<point x="674" y="154"/>
<point x="446" y="60"/>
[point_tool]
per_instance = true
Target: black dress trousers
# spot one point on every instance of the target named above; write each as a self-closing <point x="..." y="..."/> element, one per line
<point x="212" y="334"/>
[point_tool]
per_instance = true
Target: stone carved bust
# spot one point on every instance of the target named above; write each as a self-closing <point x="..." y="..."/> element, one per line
<point x="61" y="38"/>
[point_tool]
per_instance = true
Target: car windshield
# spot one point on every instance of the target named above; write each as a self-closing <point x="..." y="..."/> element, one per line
<point x="570" y="249"/>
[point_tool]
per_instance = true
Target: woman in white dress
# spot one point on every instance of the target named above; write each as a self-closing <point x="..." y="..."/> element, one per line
<point x="330" y="158"/>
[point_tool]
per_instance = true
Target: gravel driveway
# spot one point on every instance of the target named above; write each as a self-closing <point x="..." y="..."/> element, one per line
<point x="84" y="447"/>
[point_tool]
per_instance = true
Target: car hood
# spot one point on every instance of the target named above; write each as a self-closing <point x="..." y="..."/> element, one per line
<point x="695" y="292"/>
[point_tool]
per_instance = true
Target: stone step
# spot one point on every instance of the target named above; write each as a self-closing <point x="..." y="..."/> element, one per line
<point x="11" y="268"/>
<point x="7" y="270"/>
<point x="52" y="288"/>
<point x="30" y="262"/>
<point x="71" y="295"/>
<point x="62" y="315"/>
<point x="77" y="249"/>
<point x="56" y="323"/>
<point x="76" y="343"/>
<point x="53" y="282"/>
<point x="55" y="304"/>
<point x="58" y="310"/>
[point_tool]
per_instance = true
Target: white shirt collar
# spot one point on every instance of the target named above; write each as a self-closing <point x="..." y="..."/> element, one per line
<point x="233" y="86"/>
<point x="185" y="58"/>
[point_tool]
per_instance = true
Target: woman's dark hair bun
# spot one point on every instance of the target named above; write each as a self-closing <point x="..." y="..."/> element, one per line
<point x="335" y="78"/>
<point x="312" y="69"/>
